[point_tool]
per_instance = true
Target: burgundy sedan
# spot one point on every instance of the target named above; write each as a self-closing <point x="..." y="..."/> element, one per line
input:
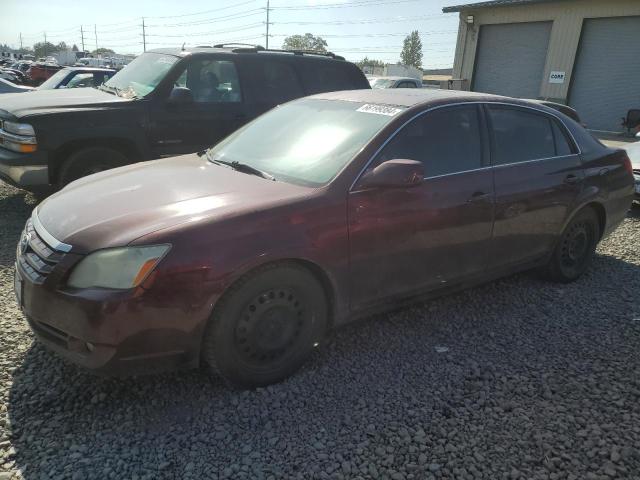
<point x="327" y="208"/>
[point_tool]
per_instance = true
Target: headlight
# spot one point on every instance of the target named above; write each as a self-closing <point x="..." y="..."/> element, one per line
<point x="19" y="137"/>
<point x="19" y="129"/>
<point x="120" y="268"/>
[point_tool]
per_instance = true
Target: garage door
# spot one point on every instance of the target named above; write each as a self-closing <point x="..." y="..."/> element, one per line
<point x="511" y="58"/>
<point x="606" y="77"/>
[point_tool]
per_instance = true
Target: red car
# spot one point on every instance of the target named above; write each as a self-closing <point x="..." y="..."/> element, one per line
<point x="322" y="210"/>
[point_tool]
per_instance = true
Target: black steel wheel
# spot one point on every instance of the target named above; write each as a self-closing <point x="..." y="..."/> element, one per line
<point x="576" y="247"/>
<point x="266" y="326"/>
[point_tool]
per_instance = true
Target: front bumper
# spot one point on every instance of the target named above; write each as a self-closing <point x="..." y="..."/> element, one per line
<point x="110" y="332"/>
<point x="24" y="170"/>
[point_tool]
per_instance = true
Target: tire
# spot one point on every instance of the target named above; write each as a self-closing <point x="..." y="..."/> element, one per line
<point x="576" y="247"/>
<point x="265" y="326"/>
<point x="88" y="161"/>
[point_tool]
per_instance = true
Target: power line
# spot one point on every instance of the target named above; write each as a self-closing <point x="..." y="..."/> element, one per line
<point x="207" y="11"/>
<point x="214" y="32"/>
<point x="234" y="16"/>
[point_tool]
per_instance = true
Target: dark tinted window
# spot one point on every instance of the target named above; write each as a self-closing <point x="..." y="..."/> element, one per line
<point x="328" y="76"/>
<point x="406" y="85"/>
<point x="562" y="143"/>
<point x="520" y="135"/>
<point x="280" y="82"/>
<point x="446" y="140"/>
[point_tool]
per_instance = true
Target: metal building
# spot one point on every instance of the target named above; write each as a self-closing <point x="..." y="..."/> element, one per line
<point x="583" y="53"/>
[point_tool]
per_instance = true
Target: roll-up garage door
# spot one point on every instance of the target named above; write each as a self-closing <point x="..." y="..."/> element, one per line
<point x="606" y="77"/>
<point x="511" y="58"/>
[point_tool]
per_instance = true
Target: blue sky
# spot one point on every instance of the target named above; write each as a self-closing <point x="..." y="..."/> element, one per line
<point x="352" y="28"/>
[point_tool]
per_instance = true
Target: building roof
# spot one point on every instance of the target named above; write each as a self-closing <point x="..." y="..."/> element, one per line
<point x="493" y="3"/>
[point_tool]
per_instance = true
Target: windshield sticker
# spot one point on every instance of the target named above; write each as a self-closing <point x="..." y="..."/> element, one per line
<point x="380" y="109"/>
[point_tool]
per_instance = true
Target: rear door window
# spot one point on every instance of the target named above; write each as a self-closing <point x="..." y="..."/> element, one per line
<point x="327" y="76"/>
<point x="280" y="82"/>
<point x="520" y="135"/>
<point x="563" y="147"/>
<point x="406" y="84"/>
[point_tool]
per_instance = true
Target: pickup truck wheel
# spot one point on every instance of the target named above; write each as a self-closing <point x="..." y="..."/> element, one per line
<point x="88" y="161"/>
<point x="265" y="326"/>
<point x="575" y="248"/>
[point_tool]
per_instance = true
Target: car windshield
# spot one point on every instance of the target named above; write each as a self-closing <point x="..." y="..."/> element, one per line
<point x="142" y="75"/>
<point x="382" y="83"/>
<point x="54" y="80"/>
<point x="305" y="142"/>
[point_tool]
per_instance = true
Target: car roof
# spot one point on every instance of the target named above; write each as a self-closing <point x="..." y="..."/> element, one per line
<point x="90" y="69"/>
<point x="414" y="97"/>
<point x="393" y="77"/>
<point x="235" y="49"/>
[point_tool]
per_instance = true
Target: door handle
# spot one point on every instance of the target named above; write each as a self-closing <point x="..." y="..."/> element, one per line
<point x="571" y="179"/>
<point x="478" y="197"/>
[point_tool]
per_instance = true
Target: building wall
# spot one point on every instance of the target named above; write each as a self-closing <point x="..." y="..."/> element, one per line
<point x="567" y="17"/>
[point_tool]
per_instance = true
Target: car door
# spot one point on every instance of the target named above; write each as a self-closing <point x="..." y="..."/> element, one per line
<point x="216" y="109"/>
<point x="538" y="176"/>
<point x="404" y="240"/>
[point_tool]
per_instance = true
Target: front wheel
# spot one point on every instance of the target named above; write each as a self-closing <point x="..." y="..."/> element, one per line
<point x="266" y="326"/>
<point x="575" y="248"/>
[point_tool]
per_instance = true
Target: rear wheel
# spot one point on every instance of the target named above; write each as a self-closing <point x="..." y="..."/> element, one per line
<point x="576" y="247"/>
<point x="266" y="326"/>
<point x="89" y="161"/>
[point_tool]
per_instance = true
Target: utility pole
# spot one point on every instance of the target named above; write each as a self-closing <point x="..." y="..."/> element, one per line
<point x="20" y="40"/>
<point x="95" y="32"/>
<point x="266" y="40"/>
<point x="144" y="37"/>
<point x="82" y="37"/>
<point x="45" y="45"/>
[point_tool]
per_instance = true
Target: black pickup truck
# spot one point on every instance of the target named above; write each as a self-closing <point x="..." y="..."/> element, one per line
<point x="166" y="102"/>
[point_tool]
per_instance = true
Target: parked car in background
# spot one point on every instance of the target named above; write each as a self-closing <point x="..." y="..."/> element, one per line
<point x="633" y="150"/>
<point x="165" y="102"/>
<point x="9" y="87"/>
<point x="395" y="82"/>
<point x="321" y="210"/>
<point x="78" y="77"/>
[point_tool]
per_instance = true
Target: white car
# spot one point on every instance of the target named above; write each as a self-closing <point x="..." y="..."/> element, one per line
<point x="633" y="150"/>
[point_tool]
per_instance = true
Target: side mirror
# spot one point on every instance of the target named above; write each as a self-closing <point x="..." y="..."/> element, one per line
<point x="180" y="95"/>
<point x="393" y="173"/>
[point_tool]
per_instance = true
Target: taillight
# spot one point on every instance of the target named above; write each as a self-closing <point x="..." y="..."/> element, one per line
<point x="627" y="164"/>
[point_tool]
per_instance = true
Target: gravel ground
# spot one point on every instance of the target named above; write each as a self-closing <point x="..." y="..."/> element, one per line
<point x="515" y="379"/>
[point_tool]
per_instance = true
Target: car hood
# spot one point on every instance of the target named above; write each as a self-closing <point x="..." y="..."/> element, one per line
<point x="47" y="101"/>
<point x="115" y="207"/>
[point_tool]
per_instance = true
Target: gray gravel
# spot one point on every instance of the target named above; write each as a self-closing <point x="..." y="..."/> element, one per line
<point x="517" y="379"/>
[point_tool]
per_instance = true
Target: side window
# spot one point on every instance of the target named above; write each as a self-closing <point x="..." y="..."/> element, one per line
<point x="326" y="76"/>
<point x="211" y="81"/>
<point x="281" y="82"/>
<point x="519" y="135"/>
<point x="406" y="85"/>
<point x="446" y="140"/>
<point x="562" y="143"/>
<point x="81" y="80"/>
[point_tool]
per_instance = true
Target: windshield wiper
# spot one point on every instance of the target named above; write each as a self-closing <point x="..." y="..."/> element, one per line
<point x="242" y="167"/>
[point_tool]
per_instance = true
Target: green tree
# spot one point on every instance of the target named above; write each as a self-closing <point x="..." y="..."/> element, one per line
<point x="305" y="42"/>
<point x="74" y="48"/>
<point x="371" y="62"/>
<point x="42" y="49"/>
<point x="103" y="51"/>
<point x="411" y="54"/>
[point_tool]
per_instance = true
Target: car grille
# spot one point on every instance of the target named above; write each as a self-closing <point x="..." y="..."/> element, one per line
<point x="35" y="258"/>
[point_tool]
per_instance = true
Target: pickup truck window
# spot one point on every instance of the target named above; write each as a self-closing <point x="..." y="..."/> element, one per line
<point x="211" y="81"/>
<point x="142" y="75"/>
